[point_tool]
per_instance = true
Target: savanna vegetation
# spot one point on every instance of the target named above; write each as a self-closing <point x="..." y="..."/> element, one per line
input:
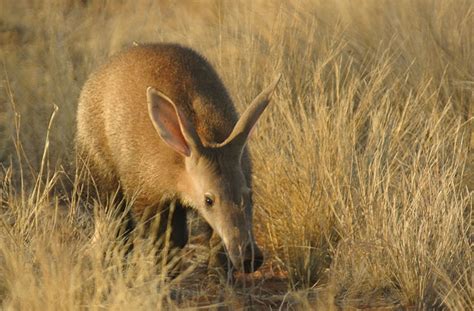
<point x="363" y="163"/>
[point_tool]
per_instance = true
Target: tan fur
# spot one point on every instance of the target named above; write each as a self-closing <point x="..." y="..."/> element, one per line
<point x="117" y="137"/>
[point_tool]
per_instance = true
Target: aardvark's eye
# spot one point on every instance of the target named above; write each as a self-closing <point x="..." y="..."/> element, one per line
<point x="209" y="199"/>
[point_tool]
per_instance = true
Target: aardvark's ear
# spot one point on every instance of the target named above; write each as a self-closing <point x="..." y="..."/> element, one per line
<point x="172" y="126"/>
<point x="242" y="129"/>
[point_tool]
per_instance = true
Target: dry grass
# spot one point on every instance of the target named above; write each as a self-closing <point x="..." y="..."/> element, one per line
<point x="363" y="164"/>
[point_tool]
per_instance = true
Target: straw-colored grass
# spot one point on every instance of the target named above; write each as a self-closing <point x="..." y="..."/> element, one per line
<point x="363" y="162"/>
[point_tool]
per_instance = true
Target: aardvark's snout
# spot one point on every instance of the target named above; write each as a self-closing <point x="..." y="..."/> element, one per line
<point x="253" y="258"/>
<point x="247" y="259"/>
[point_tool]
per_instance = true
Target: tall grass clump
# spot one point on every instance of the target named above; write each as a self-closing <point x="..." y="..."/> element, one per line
<point x="363" y="163"/>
